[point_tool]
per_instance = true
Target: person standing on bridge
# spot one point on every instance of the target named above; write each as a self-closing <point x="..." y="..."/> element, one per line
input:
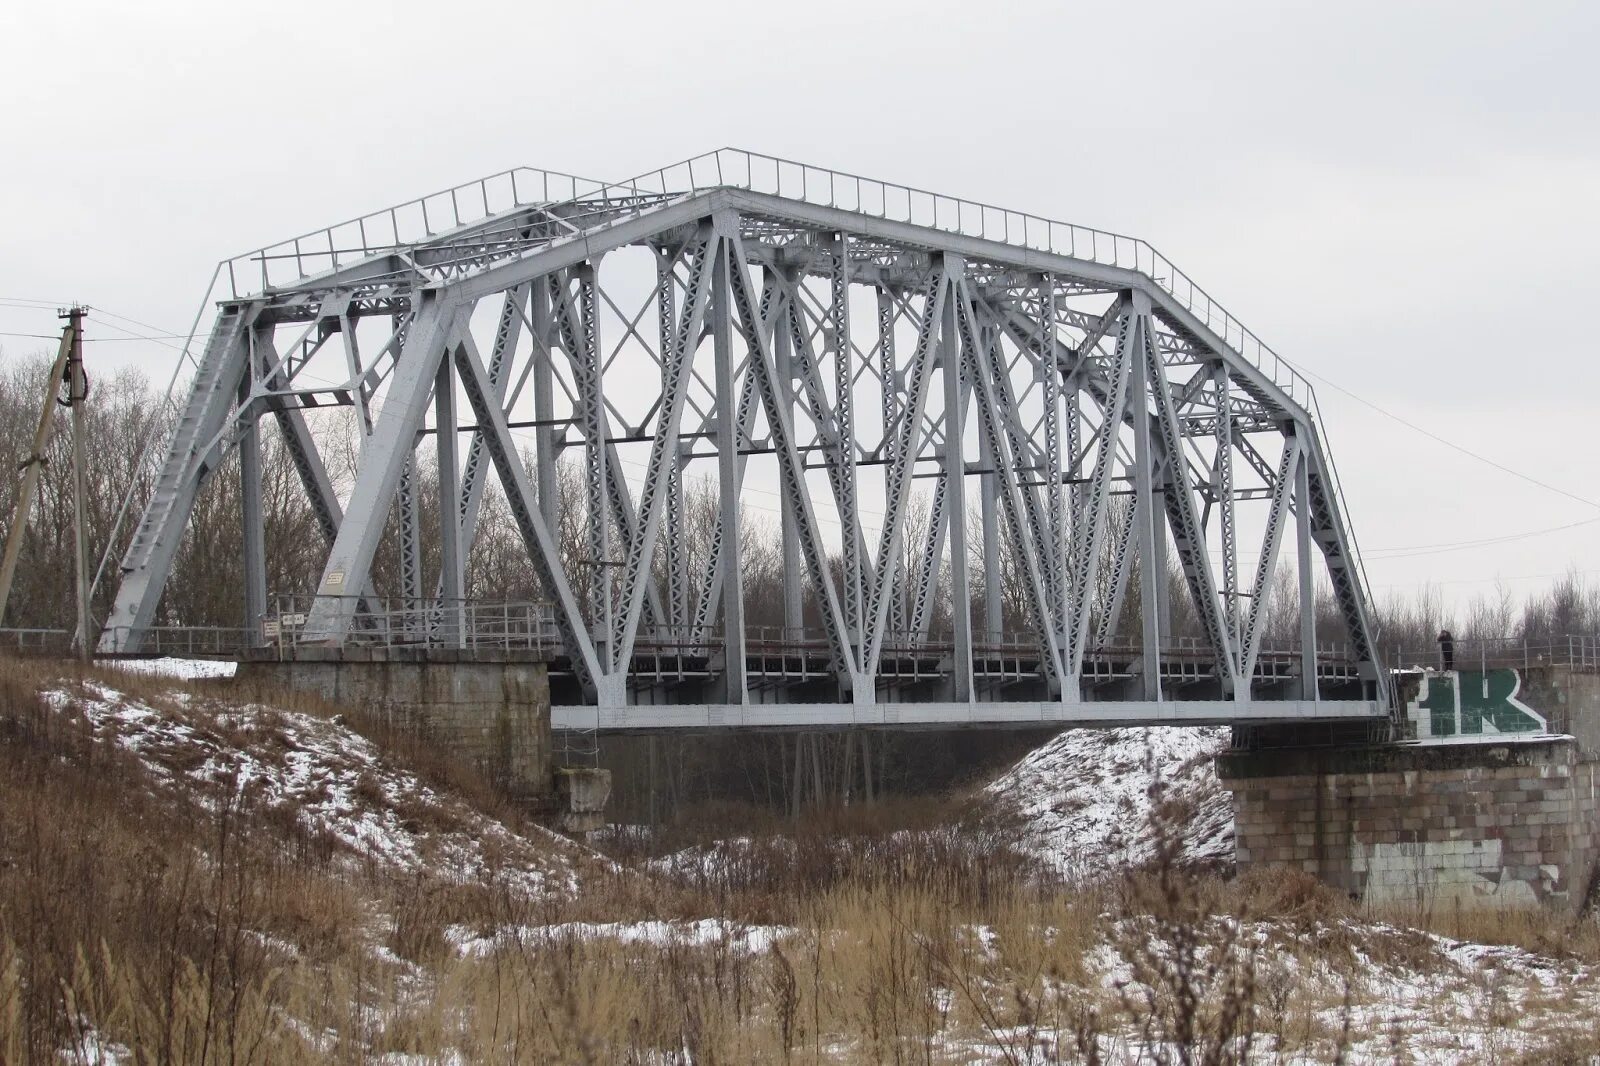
<point x="1447" y="650"/>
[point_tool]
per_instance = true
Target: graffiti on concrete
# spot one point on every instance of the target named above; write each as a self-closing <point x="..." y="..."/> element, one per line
<point x="1472" y="703"/>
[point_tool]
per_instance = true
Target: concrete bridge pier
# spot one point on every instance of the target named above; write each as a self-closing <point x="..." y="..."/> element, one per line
<point x="489" y="709"/>
<point x="1492" y="801"/>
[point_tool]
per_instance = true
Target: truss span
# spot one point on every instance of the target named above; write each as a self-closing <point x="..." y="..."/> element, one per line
<point x="956" y="455"/>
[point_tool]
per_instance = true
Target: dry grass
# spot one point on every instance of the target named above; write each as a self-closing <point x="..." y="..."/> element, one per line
<point x="903" y="932"/>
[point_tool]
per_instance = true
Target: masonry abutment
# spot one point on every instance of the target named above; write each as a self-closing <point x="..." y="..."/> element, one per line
<point x="1491" y="820"/>
<point x="489" y="711"/>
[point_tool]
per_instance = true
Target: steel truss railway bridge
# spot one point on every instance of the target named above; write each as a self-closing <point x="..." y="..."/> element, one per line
<point x="940" y="401"/>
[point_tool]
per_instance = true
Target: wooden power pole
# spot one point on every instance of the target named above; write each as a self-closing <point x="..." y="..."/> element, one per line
<point x="77" y="395"/>
<point x="68" y="370"/>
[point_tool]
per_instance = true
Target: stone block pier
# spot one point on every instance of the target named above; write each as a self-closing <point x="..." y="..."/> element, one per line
<point x="1492" y="798"/>
<point x="488" y="708"/>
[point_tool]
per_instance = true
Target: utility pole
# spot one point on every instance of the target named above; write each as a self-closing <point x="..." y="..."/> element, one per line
<point x="68" y="370"/>
<point x="77" y="394"/>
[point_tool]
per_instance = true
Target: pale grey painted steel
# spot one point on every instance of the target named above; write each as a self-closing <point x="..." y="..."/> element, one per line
<point x="788" y="530"/>
<point x="250" y="518"/>
<point x="1033" y="714"/>
<point x="383" y="460"/>
<point x="472" y="481"/>
<point x="451" y="503"/>
<point x="1308" y="589"/>
<point x="736" y="688"/>
<point x="1288" y="466"/>
<point x="1020" y="326"/>
<point x="148" y="560"/>
<point x="1146" y="534"/>
<point x="955" y="474"/>
<point x="410" y="541"/>
<point x="1222" y="490"/>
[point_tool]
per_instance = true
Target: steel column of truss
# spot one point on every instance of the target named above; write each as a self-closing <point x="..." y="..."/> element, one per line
<point x="675" y="545"/>
<point x="955" y="473"/>
<point x="541" y="328"/>
<point x="1050" y="382"/>
<point x="836" y="339"/>
<point x="469" y="502"/>
<point x="736" y="688"/>
<point x="989" y="530"/>
<point x="1222" y="489"/>
<point x="1308" y="588"/>
<point x="410" y="542"/>
<point x="920" y="610"/>
<point x="452" y="558"/>
<point x="251" y="521"/>
<point x="410" y="520"/>
<point x="888" y="376"/>
<point x="788" y="532"/>
<point x="1188" y="537"/>
<point x="1146" y="532"/>
<point x="678" y="606"/>
<point x="1333" y="539"/>
<point x="433" y="327"/>
<point x="792" y="472"/>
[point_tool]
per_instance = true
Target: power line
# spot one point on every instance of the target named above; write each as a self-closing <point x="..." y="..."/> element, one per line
<point x="88" y="340"/>
<point x="1450" y="443"/>
<point x="1415" y="550"/>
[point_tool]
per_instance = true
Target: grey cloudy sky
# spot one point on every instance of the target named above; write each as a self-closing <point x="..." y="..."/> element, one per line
<point x="1399" y="197"/>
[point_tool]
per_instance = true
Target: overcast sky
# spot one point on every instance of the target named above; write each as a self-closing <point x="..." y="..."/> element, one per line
<point x="1403" y="199"/>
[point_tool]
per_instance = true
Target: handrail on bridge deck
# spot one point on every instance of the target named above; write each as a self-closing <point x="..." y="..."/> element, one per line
<point x="1577" y="651"/>
<point x="530" y="626"/>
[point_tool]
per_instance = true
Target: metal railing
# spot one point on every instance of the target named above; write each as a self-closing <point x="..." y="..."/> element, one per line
<point x="191" y="642"/>
<point x="1576" y="651"/>
<point x="393" y="623"/>
<point x="24" y="641"/>
<point x="396" y="622"/>
<point x="700" y="640"/>
<point x="400" y="226"/>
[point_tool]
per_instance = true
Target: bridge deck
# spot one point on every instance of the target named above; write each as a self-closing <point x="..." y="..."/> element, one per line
<point x="989" y="714"/>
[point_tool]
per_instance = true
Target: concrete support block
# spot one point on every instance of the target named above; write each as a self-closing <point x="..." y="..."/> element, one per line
<point x="1490" y="825"/>
<point x="581" y="795"/>
<point x="493" y="715"/>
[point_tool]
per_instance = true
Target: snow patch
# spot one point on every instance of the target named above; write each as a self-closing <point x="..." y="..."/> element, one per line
<point x="707" y="932"/>
<point x="166" y="666"/>
<point x="1087" y="796"/>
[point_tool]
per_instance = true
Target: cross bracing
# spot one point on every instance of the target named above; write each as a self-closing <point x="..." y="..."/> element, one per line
<point x="942" y="398"/>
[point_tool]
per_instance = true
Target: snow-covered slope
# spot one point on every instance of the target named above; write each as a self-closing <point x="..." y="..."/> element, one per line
<point x="1086" y="796"/>
<point x="329" y="780"/>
